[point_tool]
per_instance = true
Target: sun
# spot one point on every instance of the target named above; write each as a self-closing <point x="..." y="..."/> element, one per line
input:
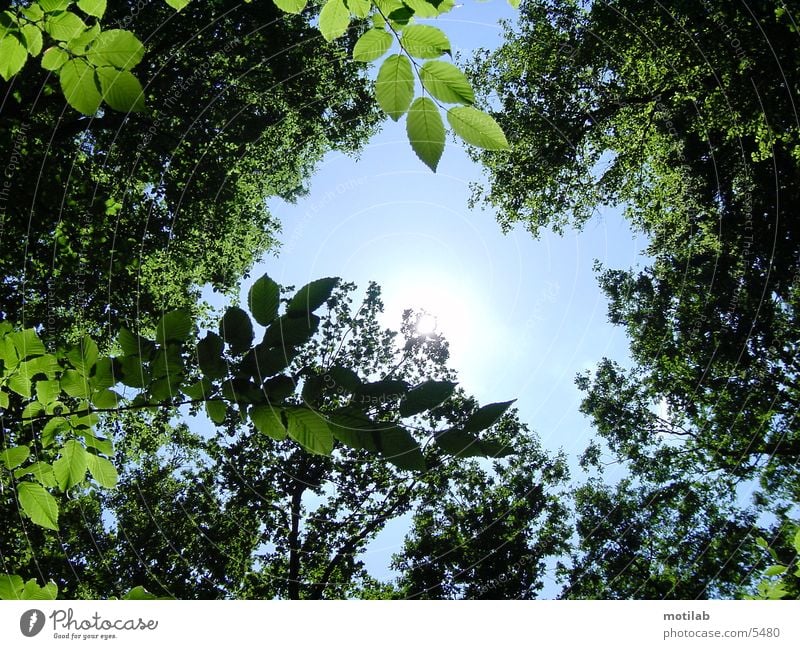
<point x="426" y="324"/>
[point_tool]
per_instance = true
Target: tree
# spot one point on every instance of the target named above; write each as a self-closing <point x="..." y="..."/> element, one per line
<point x="110" y="218"/>
<point x="278" y="503"/>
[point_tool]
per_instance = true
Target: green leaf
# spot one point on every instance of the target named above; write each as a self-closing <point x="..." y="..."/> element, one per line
<point x="33" y="39"/>
<point x="34" y="12"/>
<point x="51" y="6"/>
<point x="32" y="410"/>
<point x="394" y="87"/>
<point x="106" y="399"/>
<point x="236" y="329"/>
<point x="134" y="345"/>
<point x="81" y="42"/>
<point x="210" y="356"/>
<point x="138" y="592"/>
<point x="267" y="420"/>
<point x="103" y="375"/>
<point x="354" y="429"/>
<point x="27" y="344"/>
<point x="263" y="300"/>
<point x="487" y="416"/>
<point x="11" y="586"/>
<point x="13" y="457"/>
<point x="399" y="447"/>
<point x="13" y="55"/>
<point x="70" y="468"/>
<point x="121" y="90"/>
<point x="79" y="87"/>
<point x="797" y="541"/>
<point x="426" y="131"/>
<point x="514" y="3"/>
<point x="774" y="570"/>
<point x="426" y="396"/>
<point x="75" y="384"/>
<point x="118" y="48"/>
<point x="32" y="590"/>
<point x="52" y="428"/>
<point x="216" y="411"/>
<point x="310" y="430"/>
<point x="102" y="471"/>
<point x="64" y="25"/>
<point x="462" y="444"/>
<point x="383" y="391"/>
<point x="334" y="19"/>
<point x="175" y="326"/>
<point x="477" y="128"/>
<point x="46" y="365"/>
<point x="291" y="6"/>
<point x="289" y="331"/>
<point x="38" y="505"/>
<point x="84" y="355"/>
<point x="372" y="44"/>
<point x="104" y="446"/>
<point x="446" y="82"/>
<point x="20" y="384"/>
<point x="132" y="372"/>
<point x="54" y="58"/>
<point x="94" y="8"/>
<point x="312" y="296"/>
<point x="198" y="390"/>
<point x="48" y="391"/>
<point x="424" y="41"/>
<point x="422" y="8"/>
<point x="359" y="8"/>
<point x="41" y="471"/>
<point x="4" y="401"/>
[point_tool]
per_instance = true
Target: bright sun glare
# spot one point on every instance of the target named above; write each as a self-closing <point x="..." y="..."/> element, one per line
<point x="426" y="325"/>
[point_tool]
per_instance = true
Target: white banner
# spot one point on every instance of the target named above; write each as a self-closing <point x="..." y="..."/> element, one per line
<point x="373" y="624"/>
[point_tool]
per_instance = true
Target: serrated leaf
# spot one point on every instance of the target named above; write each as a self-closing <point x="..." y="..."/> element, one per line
<point x="774" y="570"/>
<point x="54" y="58"/>
<point x="20" y="384"/>
<point x="121" y="90"/>
<point x="312" y="296"/>
<point x="422" y="8"/>
<point x="236" y="329"/>
<point x="425" y="396"/>
<point x="139" y="592"/>
<point x="334" y="19"/>
<point x="174" y="326"/>
<point x="291" y="6"/>
<point x="104" y="446"/>
<point x="13" y="457"/>
<point x="11" y="586"/>
<point x="446" y="82"/>
<point x="94" y="8"/>
<point x="198" y="390"/>
<point x="48" y="391"/>
<point x="106" y="399"/>
<point x="487" y="416"/>
<point x="33" y="39"/>
<point x="41" y="471"/>
<point x="463" y="444"/>
<point x="425" y="131"/>
<point x="216" y="410"/>
<point x="102" y="471"/>
<point x="51" y="6"/>
<point x="38" y="505"/>
<point x="4" y="400"/>
<point x="79" y="87"/>
<point x="103" y="375"/>
<point x="267" y="420"/>
<point x="33" y="591"/>
<point x="81" y="42"/>
<point x="424" y="41"/>
<point x="32" y="410"/>
<point x="263" y="300"/>
<point x="477" y="128"/>
<point x="400" y="448"/>
<point x="394" y="87"/>
<point x="64" y="25"/>
<point x="27" y="343"/>
<point x="288" y="331"/>
<point x="372" y="44"/>
<point x="132" y="372"/>
<point x="310" y="430"/>
<point x="210" y="356"/>
<point x="359" y="8"/>
<point x="118" y="48"/>
<point x="70" y="468"/>
<point x="75" y="384"/>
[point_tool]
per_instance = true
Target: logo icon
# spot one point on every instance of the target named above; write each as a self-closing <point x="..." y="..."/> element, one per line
<point x="31" y="622"/>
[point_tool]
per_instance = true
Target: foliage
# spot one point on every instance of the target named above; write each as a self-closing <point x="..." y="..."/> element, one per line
<point x="315" y="411"/>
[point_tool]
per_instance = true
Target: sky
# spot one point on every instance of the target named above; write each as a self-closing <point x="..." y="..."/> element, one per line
<point x="523" y="315"/>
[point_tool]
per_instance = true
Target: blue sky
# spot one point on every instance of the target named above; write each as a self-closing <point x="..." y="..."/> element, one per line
<point x="523" y="315"/>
